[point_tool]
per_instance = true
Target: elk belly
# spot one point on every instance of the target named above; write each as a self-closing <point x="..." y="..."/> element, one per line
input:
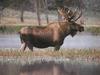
<point x="42" y="41"/>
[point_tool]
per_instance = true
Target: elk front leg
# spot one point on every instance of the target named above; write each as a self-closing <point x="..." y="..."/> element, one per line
<point x="30" y="46"/>
<point x="23" y="46"/>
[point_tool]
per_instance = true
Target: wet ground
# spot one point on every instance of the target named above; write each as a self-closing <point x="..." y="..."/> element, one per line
<point x="83" y="40"/>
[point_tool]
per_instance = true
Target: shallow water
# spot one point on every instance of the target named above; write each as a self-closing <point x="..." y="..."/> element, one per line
<point x="85" y="40"/>
<point x="72" y="67"/>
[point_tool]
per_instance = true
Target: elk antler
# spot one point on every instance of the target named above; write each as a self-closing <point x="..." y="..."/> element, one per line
<point x="72" y="15"/>
<point x="69" y="14"/>
<point x="78" y="16"/>
<point x="64" y="12"/>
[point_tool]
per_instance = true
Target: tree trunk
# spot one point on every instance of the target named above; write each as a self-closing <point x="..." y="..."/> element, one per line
<point x="22" y="12"/>
<point x="1" y="13"/>
<point x="46" y="10"/>
<point x="38" y="12"/>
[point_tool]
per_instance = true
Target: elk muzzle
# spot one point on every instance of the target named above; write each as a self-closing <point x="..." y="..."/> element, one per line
<point x="81" y="29"/>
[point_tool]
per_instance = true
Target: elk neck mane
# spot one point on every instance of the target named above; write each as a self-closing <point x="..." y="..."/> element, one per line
<point x="62" y="27"/>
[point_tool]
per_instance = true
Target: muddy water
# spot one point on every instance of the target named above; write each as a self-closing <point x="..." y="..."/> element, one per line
<point x="79" y="41"/>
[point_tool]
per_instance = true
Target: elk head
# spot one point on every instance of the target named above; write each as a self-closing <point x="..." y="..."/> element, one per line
<point x="75" y="28"/>
<point x="72" y="17"/>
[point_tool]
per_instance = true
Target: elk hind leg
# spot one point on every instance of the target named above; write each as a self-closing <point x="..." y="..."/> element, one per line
<point x="23" y="46"/>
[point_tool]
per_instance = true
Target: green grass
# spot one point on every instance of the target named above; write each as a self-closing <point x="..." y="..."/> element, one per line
<point x="9" y="29"/>
<point x="93" y="30"/>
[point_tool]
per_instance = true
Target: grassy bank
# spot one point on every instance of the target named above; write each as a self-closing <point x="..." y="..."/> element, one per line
<point x="93" y="30"/>
<point x="15" y="29"/>
<point x="71" y="54"/>
<point x="9" y="29"/>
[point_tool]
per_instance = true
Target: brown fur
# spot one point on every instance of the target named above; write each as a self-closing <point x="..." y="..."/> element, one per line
<point x="52" y="35"/>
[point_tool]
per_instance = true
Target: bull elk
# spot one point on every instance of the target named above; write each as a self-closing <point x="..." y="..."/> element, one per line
<point x="51" y="35"/>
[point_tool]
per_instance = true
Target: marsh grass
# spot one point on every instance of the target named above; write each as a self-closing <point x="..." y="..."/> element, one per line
<point x="70" y="54"/>
<point x="9" y="29"/>
<point x="93" y="30"/>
